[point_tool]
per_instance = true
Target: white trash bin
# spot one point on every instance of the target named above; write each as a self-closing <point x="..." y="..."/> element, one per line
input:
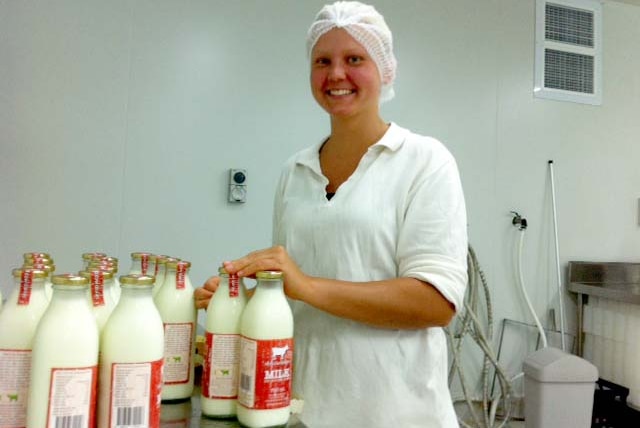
<point x="558" y="390"/>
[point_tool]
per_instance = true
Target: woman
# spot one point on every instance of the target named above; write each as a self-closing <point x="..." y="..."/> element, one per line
<point x="370" y="233"/>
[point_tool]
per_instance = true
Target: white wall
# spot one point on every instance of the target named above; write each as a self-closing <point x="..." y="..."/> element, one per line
<point x="119" y="121"/>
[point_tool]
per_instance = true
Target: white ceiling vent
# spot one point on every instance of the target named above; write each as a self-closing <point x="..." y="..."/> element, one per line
<point x="568" y="63"/>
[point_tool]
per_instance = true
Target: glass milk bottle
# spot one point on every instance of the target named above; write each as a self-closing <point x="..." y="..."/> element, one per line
<point x="30" y="258"/>
<point x="64" y="368"/>
<point x="110" y="259"/>
<point x="160" y="272"/>
<point x="113" y="263"/>
<point x="87" y="258"/>
<point x="18" y="321"/>
<point x="100" y="294"/>
<point x="47" y="266"/>
<point x="108" y="266"/>
<point x="131" y="357"/>
<point x="219" y="392"/>
<point x="175" y="304"/>
<point x="140" y="264"/>
<point x="105" y="261"/>
<point x="36" y="254"/>
<point x="266" y="355"/>
<point x="151" y="265"/>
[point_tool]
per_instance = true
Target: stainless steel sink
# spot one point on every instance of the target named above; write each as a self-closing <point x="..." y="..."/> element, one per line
<point x="611" y="280"/>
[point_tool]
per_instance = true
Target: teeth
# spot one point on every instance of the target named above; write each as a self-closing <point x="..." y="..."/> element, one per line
<point x="340" y="92"/>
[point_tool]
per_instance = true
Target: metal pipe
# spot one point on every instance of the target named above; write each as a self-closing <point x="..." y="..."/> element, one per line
<point x="555" y="232"/>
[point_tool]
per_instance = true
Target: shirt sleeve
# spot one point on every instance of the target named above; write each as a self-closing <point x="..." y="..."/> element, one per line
<point x="432" y="245"/>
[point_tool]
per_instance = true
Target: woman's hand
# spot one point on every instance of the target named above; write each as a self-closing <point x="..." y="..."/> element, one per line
<point x="296" y="283"/>
<point x="404" y="303"/>
<point x="202" y="295"/>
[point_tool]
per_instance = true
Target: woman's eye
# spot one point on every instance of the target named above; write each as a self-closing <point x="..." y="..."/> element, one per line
<point x="321" y="61"/>
<point x="355" y="59"/>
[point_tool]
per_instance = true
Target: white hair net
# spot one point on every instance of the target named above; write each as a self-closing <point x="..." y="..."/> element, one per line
<point x="368" y="27"/>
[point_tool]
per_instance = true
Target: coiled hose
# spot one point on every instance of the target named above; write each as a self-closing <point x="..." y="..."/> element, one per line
<point x="466" y="324"/>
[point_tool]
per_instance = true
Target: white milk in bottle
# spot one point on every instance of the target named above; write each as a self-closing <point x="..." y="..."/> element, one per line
<point x="266" y="355"/>
<point x="177" y="310"/>
<point x="220" y="374"/>
<point x="64" y="369"/>
<point x="99" y="294"/>
<point x="131" y="356"/>
<point x="18" y="321"/>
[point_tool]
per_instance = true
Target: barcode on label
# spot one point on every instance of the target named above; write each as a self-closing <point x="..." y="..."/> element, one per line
<point x="245" y="382"/>
<point x="129" y="416"/>
<point x="75" y="421"/>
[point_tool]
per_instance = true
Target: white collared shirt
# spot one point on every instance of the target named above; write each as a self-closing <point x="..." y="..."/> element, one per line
<point x="400" y="214"/>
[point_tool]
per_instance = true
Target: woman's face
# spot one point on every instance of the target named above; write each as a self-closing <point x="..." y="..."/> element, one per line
<point x="344" y="79"/>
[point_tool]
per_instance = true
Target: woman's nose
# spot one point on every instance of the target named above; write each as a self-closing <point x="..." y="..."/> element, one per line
<point x="336" y="71"/>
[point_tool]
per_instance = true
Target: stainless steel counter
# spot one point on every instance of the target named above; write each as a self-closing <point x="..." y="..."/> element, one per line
<point x="187" y="414"/>
<point x="611" y="280"/>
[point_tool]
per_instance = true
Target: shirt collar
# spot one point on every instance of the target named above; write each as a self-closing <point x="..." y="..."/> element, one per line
<point x="392" y="139"/>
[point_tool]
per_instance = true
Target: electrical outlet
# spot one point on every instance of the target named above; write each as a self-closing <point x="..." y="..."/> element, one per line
<point x="237" y="185"/>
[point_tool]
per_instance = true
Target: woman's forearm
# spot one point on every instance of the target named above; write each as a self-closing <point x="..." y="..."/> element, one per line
<point x="404" y="303"/>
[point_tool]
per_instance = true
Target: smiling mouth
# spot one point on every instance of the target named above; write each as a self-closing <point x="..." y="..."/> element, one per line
<point x="340" y="92"/>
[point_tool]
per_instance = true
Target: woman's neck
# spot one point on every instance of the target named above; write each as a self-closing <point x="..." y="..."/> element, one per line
<point x="356" y="132"/>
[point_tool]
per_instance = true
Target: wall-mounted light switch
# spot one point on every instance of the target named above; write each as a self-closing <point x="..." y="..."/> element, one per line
<point x="237" y="185"/>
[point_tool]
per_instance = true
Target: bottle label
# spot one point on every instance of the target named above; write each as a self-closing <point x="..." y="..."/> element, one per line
<point x="15" y="366"/>
<point x="181" y="273"/>
<point x="265" y="373"/>
<point x="178" y="351"/>
<point x="221" y="366"/>
<point x="144" y="263"/>
<point x="234" y="285"/>
<point x="136" y="390"/>
<point x="26" y="281"/>
<point x="72" y="397"/>
<point x="97" y="288"/>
